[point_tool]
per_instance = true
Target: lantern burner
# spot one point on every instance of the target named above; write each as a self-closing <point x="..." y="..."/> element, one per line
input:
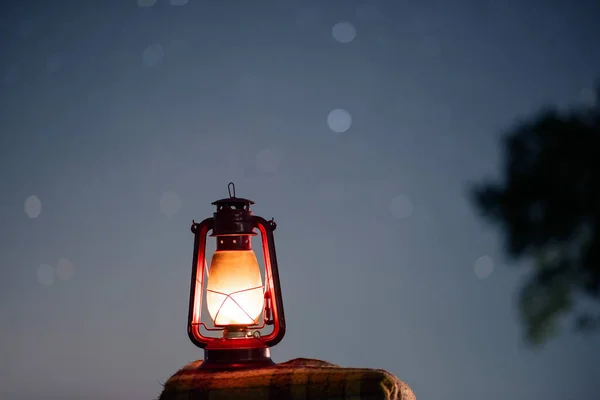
<point x="236" y="332"/>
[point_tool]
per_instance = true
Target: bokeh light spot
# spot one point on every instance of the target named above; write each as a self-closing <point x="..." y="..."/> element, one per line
<point x="484" y="266"/>
<point x="339" y="120"/>
<point x="343" y="32"/>
<point x="33" y="206"/>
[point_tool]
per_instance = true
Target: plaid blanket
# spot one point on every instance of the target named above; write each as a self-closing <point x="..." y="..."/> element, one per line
<point x="298" y="379"/>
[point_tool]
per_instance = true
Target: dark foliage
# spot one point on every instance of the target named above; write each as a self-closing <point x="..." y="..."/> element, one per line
<point x="547" y="205"/>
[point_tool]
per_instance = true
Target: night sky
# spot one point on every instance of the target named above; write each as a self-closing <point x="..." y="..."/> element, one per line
<point x="358" y="125"/>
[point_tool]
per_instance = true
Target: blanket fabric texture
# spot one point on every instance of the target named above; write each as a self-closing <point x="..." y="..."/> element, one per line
<point x="298" y="379"/>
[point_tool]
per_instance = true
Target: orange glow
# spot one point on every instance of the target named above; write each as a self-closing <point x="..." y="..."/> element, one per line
<point x="234" y="288"/>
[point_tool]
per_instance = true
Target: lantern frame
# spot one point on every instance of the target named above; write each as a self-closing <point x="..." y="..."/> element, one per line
<point x="233" y="224"/>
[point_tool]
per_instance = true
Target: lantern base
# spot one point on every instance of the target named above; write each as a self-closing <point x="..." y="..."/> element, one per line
<point x="228" y="359"/>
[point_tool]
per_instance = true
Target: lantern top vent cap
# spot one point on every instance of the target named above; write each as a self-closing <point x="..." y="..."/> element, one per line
<point x="232" y="199"/>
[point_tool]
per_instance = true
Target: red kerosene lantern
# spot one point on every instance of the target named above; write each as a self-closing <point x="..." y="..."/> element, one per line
<point x="238" y="302"/>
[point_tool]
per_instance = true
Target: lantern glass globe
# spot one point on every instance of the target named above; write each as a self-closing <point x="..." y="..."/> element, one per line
<point x="234" y="291"/>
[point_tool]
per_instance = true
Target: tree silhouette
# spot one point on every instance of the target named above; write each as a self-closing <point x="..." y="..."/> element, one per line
<point x="547" y="205"/>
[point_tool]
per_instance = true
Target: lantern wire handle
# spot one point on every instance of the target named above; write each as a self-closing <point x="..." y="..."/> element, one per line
<point x="230" y="189"/>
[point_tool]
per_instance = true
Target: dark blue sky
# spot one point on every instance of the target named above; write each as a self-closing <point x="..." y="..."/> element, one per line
<point x="125" y="122"/>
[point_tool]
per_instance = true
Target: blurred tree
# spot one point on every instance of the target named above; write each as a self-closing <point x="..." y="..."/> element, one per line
<point x="548" y="207"/>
